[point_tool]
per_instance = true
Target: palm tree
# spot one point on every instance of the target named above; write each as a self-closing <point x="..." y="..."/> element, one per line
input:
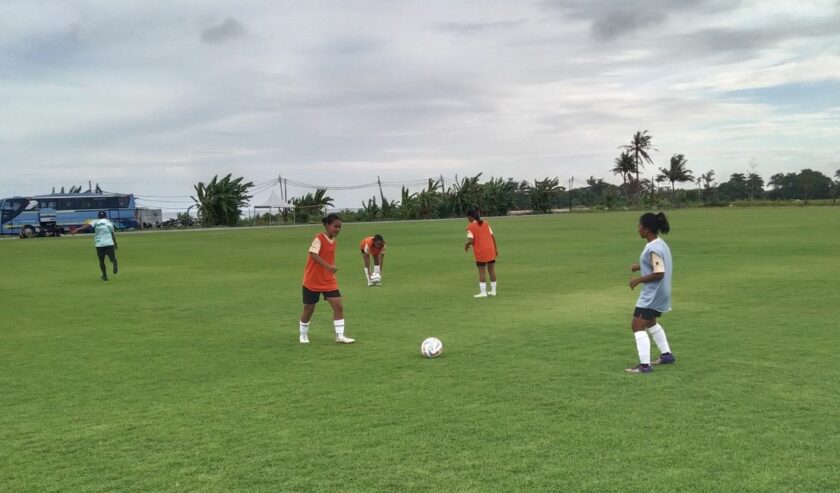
<point x="219" y="201"/>
<point x="639" y="147"/>
<point x="624" y="166"/>
<point x="428" y="199"/>
<point x="542" y="193"/>
<point x="677" y="172"/>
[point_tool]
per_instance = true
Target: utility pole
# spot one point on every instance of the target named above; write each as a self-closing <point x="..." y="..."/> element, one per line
<point x="442" y="184"/>
<point x="381" y="194"/>
<point x="571" y="186"/>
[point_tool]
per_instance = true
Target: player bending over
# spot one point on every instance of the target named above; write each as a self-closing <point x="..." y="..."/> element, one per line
<point x="373" y="246"/>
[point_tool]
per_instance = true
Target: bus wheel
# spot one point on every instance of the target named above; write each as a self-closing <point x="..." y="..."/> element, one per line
<point x="27" y="232"/>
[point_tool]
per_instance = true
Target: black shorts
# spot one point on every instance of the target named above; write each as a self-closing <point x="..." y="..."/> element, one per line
<point x="101" y="252"/>
<point x="485" y="264"/>
<point x="312" y="297"/>
<point x="646" y="313"/>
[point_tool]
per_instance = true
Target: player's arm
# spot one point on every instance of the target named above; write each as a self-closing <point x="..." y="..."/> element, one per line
<point x="381" y="262"/>
<point x="496" y="248"/>
<point x="83" y="227"/>
<point x="658" y="272"/>
<point x="323" y="263"/>
<point x="114" y="238"/>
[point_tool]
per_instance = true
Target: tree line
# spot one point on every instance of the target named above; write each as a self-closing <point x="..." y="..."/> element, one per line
<point x="221" y="202"/>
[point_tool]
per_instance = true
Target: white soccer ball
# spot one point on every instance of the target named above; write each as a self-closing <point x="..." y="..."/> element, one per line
<point x="431" y="347"/>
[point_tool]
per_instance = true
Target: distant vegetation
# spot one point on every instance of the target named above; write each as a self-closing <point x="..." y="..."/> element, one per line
<point x="499" y="195"/>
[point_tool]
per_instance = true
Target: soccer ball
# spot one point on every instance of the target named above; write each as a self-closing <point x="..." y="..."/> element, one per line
<point x="376" y="278"/>
<point x="431" y="347"/>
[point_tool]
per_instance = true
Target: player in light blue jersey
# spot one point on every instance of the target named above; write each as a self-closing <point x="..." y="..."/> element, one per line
<point x="655" y="299"/>
<point x="104" y="240"/>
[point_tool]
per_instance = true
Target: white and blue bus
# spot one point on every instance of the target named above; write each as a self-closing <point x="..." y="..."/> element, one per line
<point x="54" y="214"/>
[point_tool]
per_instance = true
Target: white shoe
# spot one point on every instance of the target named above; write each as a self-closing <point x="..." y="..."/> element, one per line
<point x="344" y="340"/>
<point x="480" y="295"/>
<point x="304" y="339"/>
<point x="491" y="293"/>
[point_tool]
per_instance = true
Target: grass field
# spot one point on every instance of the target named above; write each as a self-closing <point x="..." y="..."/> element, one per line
<point x="184" y="373"/>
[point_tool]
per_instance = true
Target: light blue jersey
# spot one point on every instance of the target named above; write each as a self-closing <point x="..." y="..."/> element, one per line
<point x="103" y="231"/>
<point x="656" y="294"/>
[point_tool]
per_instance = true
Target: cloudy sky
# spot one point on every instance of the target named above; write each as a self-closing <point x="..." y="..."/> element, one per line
<point x="152" y="96"/>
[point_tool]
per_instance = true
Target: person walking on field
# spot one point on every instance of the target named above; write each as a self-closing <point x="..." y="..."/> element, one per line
<point x="373" y="246"/>
<point x="105" y="241"/>
<point x="480" y="236"/>
<point x="655" y="299"/>
<point x="319" y="279"/>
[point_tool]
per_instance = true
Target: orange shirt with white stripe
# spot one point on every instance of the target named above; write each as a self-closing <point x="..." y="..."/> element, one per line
<point x="484" y="248"/>
<point x="315" y="276"/>
<point x="368" y="246"/>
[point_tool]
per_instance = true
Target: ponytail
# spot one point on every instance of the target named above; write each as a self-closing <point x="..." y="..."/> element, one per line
<point x="664" y="227"/>
<point x="656" y="223"/>
<point x="473" y="213"/>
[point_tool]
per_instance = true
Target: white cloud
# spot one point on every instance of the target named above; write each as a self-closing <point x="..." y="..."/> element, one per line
<point x="152" y="97"/>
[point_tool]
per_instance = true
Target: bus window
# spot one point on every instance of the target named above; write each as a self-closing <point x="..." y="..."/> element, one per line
<point x="124" y="201"/>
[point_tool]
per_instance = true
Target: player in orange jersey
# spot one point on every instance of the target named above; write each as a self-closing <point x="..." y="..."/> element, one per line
<point x="319" y="278"/>
<point x="373" y="246"/>
<point x="480" y="236"/>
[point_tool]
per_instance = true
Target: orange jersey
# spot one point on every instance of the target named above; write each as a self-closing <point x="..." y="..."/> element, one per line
<point x="367" y="246"/>
<point x="484" y="248"/>
<point x="315" y="277"/>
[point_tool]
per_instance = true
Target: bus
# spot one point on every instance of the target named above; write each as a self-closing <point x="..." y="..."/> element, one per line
<point x="57" y="213"/>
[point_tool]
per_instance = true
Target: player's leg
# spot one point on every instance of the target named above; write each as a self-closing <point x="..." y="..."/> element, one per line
<point x="482" y="279"/>
<point x="366" y="259"/>
<point x="310" y="299"/>
<point x="642" y="319"/>
<point x="657" y="333"/>
<point x="491" y="269"/>
<point x="334" y="299"/>
<point x="100" y="252"/>
<point x="112" y="255"/>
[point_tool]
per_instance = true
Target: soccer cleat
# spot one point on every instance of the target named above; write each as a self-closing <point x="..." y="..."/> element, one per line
<point x="116" y="268"/>
<point x="491" y="293"/>
<point x="339" y="338"/>
<point x="304" y="339"/>
<point x="664" y="359"/>
<point x="104" y="277"/>
<point x="639" y="369"/>
<point x="480" y="295"/>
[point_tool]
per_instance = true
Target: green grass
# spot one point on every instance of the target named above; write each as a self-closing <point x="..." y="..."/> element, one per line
<point x="183" y="373"/>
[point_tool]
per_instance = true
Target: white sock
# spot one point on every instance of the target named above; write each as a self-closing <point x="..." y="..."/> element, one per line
<point x="339" y="327"/>
<point x="493" y="287"/>
<point x="482" y="286"/>
<point x="658" y="335"/>
<point x="304" y="328"/>
<point x="643" y="345"/>
<point x="377" y="270"/>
